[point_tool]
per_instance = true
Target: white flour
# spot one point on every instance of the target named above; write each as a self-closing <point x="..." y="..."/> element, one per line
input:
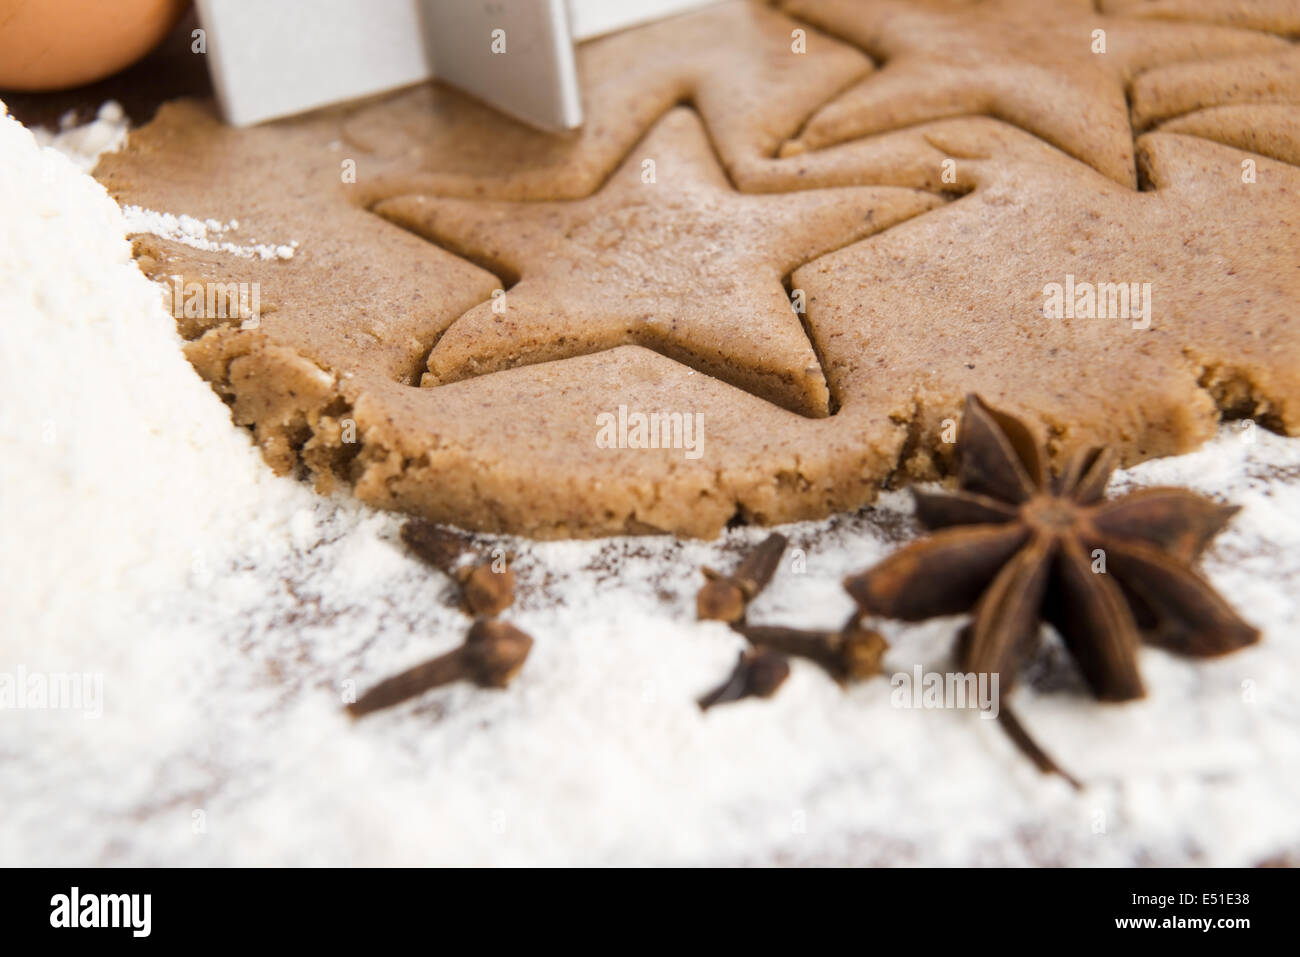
<point x="83" y="144"/>
<point x="144" y="540"/>
<point x="205" y="234"/>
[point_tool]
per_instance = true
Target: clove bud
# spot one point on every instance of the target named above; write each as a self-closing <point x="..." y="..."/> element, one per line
<point x="852" y="653"/>
<point x="484" y="591"/>
<point x="725" y="597"/>
<point x="492" y="654"/>
<point x="758" y="674"/>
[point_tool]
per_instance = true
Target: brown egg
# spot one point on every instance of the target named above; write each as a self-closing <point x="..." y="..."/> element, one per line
<point x="55" y="44"/>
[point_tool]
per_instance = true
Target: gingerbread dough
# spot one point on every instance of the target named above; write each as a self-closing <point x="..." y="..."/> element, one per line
<point x="921" y="257"/>
<point x="1057" y="70"/>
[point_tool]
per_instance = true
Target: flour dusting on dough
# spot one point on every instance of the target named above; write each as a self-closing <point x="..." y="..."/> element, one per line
<point x="206" y="234"/>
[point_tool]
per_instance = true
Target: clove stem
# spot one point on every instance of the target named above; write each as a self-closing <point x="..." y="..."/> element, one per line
<point x="757" y="568"/>
<point x="852" y="653"/>
<point x="758" y="673"/>
<point x="439" y="546"/>
<point x="725" y="597"/>
<point x="820" y="647"/>
<point x="491" y="656"/>
<point x="412" y="682"/>
<point x="484" y="591"/>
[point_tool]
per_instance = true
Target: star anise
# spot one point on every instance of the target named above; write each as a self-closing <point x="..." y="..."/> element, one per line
<point x="1017" y="546"/>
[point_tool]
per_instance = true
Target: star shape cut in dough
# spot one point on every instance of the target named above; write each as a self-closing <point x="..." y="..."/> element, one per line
<point x="1252" y="103"/>
<point x="753" y="74"/>
<point x="666" y="255"/>
<point x="1182" y="88"/>
<point x="1023" y="61"/>
<point x="1206" y="262"/>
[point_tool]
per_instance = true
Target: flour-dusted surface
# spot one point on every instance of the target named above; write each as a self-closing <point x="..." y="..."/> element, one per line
<point x="227" y="610"/>
<point x="206" y="234"/>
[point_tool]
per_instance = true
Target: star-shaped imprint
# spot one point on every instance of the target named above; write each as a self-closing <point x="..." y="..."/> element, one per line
<point x="1251" y="102"/>
<point x="1182" y="88"/>
<point x="753" y="74"/>
<point x="1183" y="297"/>
<point x="1057" y="70"/>
<point x="666" y="255"/>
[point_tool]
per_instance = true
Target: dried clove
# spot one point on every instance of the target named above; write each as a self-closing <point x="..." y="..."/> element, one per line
<point x="491" y="656"/>
<point x="849" y="654"/>
<point x="758" y="674"/>
<point x="725" y="597"/>
<point x="484" y="590"/>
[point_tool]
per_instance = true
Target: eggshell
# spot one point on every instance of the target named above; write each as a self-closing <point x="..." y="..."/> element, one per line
<point x="55" y="44"/>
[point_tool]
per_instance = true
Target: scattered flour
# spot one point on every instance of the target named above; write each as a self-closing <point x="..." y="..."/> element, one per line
<point x="227" y="610"/>
<point x="83" y="144"/>
<point x="201" y="233"/>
